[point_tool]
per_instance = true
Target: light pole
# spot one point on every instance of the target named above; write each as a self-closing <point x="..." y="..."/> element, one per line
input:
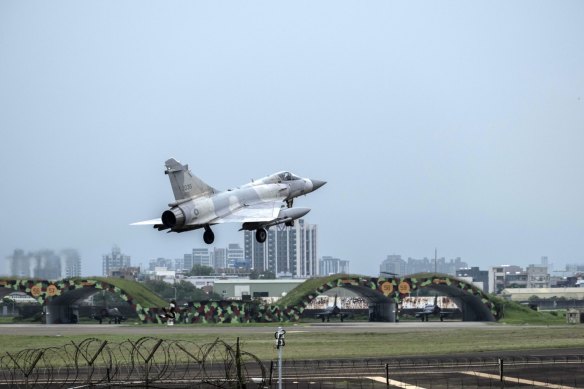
<point x="174" y="287"/>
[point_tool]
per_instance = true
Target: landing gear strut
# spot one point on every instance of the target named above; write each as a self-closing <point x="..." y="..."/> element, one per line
<point x="290" y="203"/>
<point x="208" y="235"/>
<point x="261" y="235"/>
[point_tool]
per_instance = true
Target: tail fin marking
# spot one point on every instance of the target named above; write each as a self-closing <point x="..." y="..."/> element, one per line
<point x="185" y="184"/>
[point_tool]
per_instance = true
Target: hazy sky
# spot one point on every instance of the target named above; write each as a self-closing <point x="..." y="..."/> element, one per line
<point x="456" y="125"/>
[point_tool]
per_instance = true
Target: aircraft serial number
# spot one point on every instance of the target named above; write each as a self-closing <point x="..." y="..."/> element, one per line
<point x="187" y="188"/>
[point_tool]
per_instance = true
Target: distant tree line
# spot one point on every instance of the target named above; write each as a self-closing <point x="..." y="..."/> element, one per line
<point x="185" y="291"/>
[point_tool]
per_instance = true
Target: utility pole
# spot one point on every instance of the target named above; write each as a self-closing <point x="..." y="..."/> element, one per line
<point x="435" y="259"/>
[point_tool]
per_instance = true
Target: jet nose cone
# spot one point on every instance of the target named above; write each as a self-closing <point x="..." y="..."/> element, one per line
<point x="317" y="184"/>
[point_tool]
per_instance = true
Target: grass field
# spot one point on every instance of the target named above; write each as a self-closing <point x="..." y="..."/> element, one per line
<point x="321" y="345"/>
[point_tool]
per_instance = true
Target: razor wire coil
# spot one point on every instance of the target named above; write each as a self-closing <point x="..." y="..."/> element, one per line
<point x="146" y="362"/>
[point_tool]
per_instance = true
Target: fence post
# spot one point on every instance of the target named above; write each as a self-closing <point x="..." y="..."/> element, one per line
<point x="240" y="383"/>
<point x="271" y="372"/>
<point x="97" y="353"/>
<point x="147" y="361"/>
<point x="501" y="376"/>
<point x="387" y="375"/>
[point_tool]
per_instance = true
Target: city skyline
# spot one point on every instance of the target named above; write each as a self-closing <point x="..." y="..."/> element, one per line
<point x="452" y="125"/>
<point x="67" y="264"/>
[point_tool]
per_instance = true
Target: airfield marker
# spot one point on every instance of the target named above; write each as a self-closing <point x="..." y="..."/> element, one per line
<point x="519" y="380"/>
<point x="391" y="382"/>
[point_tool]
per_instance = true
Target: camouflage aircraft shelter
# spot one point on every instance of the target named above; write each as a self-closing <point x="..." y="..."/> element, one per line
<point x="385" y="293"/>
<point x="59" y="298"/>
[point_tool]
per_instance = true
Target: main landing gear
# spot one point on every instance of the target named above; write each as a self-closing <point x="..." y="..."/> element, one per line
<point x="261" y="235"/>
<point x="208" y="235"/>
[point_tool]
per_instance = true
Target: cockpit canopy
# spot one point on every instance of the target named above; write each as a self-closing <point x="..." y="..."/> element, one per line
<point x="277" y="178"/>
<point x="287" y="176"/>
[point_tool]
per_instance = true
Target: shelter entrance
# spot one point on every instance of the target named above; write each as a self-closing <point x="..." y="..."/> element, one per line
<point x="87" y="305"/>
<point x="353" y="302"/>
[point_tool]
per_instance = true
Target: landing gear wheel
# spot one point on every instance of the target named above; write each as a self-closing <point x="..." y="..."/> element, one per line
<point x="261" y="235"/>
<point x="208" y="236"/>
<point x="290" y="223"/>
<point x="290" y="203"/>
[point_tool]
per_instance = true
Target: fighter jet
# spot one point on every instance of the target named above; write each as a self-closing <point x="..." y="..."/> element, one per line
<point x="432" y="310"/>
<point x="332" y="311"/>
<point x="258" y="205"/>
<point x="110" y="314"/>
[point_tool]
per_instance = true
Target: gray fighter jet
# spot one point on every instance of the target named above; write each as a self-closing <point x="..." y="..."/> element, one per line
<point x="110" y="314"/>
<point x="332" y="311"/>
<point x="432" y="310"/>
<point x="258" y="205"/>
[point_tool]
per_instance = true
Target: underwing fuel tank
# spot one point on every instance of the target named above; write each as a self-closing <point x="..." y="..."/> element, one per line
<point x="287" y="215"/>
<point x="292" y="213"/>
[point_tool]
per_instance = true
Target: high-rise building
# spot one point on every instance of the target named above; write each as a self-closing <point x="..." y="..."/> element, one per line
<point x="329" y="265"/>
<point x="161" y="263"/>
<point x="393" y="264"/>
<point x="498" y="275"/>
<point x="431" y="265"/>
<point x="201" y="257"/>
<point x="257" y="253"/>
<point x="20" y="264"/>
<point x="187" y="263"/>
<point x="537" y="276"/>
<point x="287" y="250"/>
<point x="115" y="261"/>
<point x="179" y="264"/>
<point x="72" y="262"/>
<point x="219" y="258"/>
<point x="235" y="257"/>
<point x="47" y="265"/>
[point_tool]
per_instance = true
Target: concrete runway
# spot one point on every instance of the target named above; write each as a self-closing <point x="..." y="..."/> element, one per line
<point x="147" y="329"/>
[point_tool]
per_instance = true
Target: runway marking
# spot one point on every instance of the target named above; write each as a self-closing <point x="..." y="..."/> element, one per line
<point x="399" y="384"/>
<point x="518" y="380"/>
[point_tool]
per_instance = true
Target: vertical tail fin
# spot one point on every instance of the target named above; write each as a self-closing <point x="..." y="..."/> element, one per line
<point x="184" y="184"/>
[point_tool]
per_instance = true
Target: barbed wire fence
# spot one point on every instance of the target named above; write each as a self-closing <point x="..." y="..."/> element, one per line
<point x="154" y="362"/>
<point x="146" y="362"/>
